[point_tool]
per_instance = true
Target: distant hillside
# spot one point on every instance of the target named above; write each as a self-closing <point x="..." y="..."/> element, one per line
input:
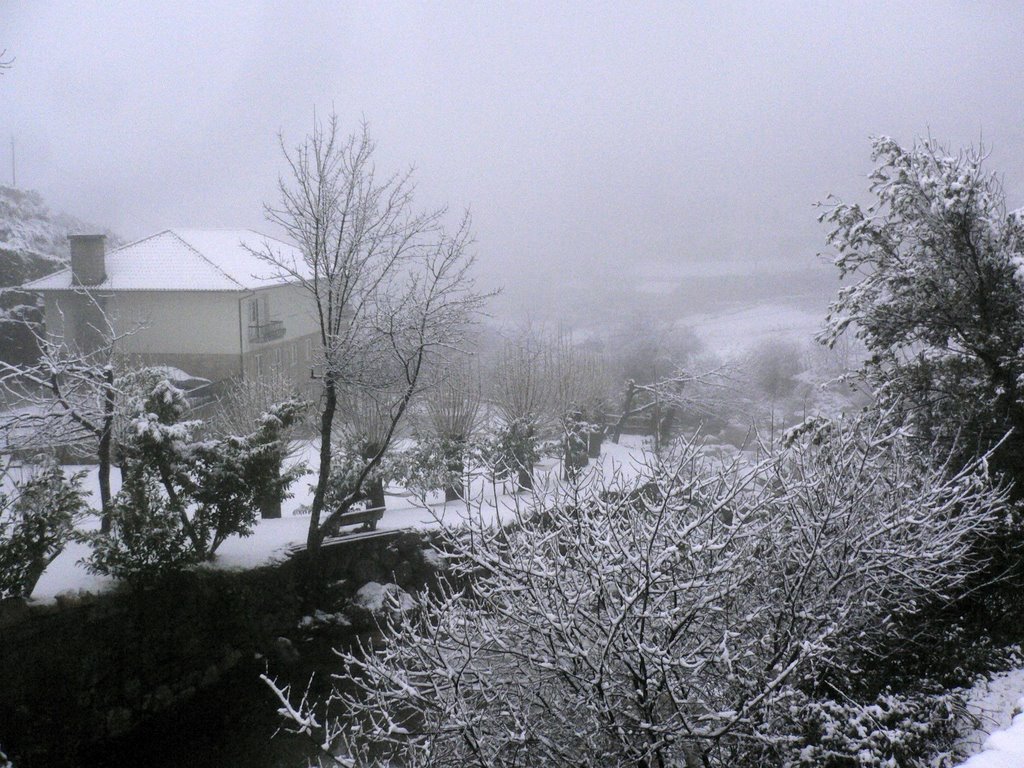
<point x="33" y="240"/>
<point x="33" y="243"/>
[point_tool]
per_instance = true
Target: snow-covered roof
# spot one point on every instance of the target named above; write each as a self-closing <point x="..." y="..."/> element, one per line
<point x="188" y="260"/>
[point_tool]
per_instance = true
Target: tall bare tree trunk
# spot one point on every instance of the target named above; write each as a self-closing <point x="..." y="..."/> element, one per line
<point x="104" y="449"/>
<point x="315" y="537"/>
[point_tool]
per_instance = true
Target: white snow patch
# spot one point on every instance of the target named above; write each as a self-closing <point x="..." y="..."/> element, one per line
<point x="1005" y="748"/>
<point x="736" y="332"/>
<point x="994" y="702"/>
<point x="379" y="598"/>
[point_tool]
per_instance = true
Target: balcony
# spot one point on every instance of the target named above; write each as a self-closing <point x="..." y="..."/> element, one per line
<point x="272" y="330"/>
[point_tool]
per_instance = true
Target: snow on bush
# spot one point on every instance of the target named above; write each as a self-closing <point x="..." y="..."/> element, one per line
<point x="383" y="599"/>
<point x="936" y="297"/>
<point x="182" y="496"/>
<point x="146" y="537"/>
<point x="895" y="730"/>
<point x="37" y="518"/>
<point x="672" y="620"/>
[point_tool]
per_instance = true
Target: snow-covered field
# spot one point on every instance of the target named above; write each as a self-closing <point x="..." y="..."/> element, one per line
<point x="734" y="332"/>
<point x="273" y="539"/>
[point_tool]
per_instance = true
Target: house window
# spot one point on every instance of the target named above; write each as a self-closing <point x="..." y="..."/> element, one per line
<point x="293" y="354"/>
<point x="277" y="358"/>
<point x="254" y="312"/>
<point x="257" y="364"/>
<point x="309" y="349"/>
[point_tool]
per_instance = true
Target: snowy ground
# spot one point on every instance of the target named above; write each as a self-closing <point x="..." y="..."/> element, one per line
<point x="734" y="332"/>
<point x="272" y="539"/>
<point x="998" y="741"/>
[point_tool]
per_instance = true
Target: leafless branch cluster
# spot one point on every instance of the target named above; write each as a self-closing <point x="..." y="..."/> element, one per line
<point x="540" y="378"/>
<point x="390" y="287"/>
<point x="521" y="391"/>
<point x="246" y="400"/>
<point x="667" y="621"/>
<point x="68" y="399"/>
<point x="453" y="403"/>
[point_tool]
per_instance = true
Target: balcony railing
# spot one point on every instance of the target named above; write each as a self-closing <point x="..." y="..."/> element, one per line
<point x="269" y="331"/>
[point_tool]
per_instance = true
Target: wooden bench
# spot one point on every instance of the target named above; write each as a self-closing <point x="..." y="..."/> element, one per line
<point x="368" y="517"/>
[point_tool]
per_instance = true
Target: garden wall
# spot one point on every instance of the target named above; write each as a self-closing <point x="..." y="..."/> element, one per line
<point x="95" y="667"/>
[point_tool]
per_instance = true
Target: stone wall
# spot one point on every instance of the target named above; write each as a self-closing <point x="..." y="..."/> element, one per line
<point x="94" y="668"/>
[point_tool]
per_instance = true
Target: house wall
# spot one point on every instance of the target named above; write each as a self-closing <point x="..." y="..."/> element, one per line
<point x="179" y="322"/>
<point x="206" y="333"/>
<point x="291" y="304"/>
<point x="158" y="321"/>
<point x="197" y="332"/>
<point x="293" y="354"/>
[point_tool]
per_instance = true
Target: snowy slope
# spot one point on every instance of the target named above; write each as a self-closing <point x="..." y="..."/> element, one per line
<point x="33" y="240"/>
<point x="33" y="243"/>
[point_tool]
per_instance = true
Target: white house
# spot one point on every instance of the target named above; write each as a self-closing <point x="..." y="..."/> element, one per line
<point x="201" y="301"/>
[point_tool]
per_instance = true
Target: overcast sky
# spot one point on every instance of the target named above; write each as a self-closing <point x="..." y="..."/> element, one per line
<point x="583" y="136"/>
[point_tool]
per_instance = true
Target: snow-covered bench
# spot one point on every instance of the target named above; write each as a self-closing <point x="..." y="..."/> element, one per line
<point x="368" y="517"/>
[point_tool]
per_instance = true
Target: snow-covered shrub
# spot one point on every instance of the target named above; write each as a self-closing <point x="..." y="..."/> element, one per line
<point x="146" y="537"/>
<point x="36" y="520"/>
<point x="245" y="404"/>
<point x="914" y="730"/>
<point x="937" y="297"/>
<point x="347" y="467"/>
<point x="185" y="495"/>
<point x="667" y="620"/>
<point x="234" y="475"/>
<point x="430" y="464"/>
<point x="575" y="440"/>
<point x="512" y="451"/>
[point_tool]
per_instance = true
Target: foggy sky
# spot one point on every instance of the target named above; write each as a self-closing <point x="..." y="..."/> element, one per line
<point x="585" y="137"/>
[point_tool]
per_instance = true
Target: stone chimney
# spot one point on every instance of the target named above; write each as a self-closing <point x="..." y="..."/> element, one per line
<point x="88" y="259"/>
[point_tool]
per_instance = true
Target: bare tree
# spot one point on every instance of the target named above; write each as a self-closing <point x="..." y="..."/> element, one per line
<point x="697" y="392"/>
<point x="389" y="287"/>
<point x="67" y="399"/>
<point x="523" y="394"/>
<point x="453" y="411"/>
<point x="773" y="368"/>
<point x="579" y="387"/>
